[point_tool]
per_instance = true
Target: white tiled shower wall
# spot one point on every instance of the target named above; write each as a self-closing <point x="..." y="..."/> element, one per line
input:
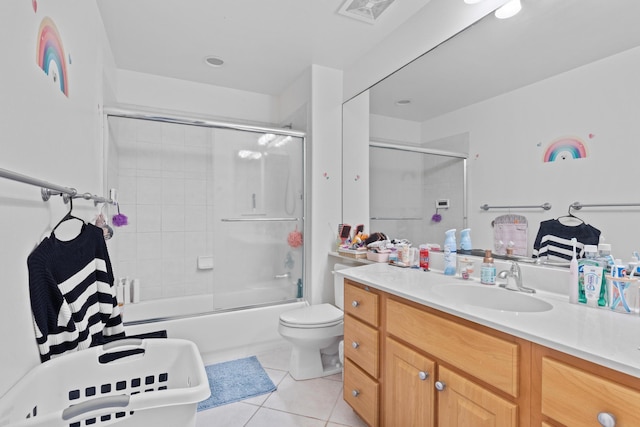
<point x="163" y="173"/>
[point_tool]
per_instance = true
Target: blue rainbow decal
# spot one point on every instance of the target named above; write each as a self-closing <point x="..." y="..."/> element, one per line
<point x="50" y="54"/>
<point x="565" y="149"/>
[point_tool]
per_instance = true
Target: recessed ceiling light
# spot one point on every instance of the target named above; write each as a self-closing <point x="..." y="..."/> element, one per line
<point x="509" y="9"/>
<point x="214" y="61"/>
<point x="472" y="1"/>
<point x="403" y="102"/>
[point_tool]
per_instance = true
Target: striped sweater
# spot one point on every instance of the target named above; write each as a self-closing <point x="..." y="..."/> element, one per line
<point x="73" y="300"/>
<point x="554" y="240"/>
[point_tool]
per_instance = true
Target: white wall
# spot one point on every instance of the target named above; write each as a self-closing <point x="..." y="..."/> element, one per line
<point x="325" y="177"/>
<point x="509" y="134"/>
<point x="355" y="162"/>
<point x="164" y="93"/>
<point x="49" y="136"/>
<point x="164" y="183"/>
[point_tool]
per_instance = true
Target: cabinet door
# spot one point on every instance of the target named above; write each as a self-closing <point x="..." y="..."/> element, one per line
<point x="461" y="403"/>
<point x="576" y="397"/>
<point x="409" y="392"/>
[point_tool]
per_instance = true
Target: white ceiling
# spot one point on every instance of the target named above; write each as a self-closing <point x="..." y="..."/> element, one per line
<point x="266" y="44"/>
<point x="494" y="56"/>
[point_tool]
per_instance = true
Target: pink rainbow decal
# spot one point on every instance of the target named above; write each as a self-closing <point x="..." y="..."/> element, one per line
<point x="50" y="50"/>
<point x="565" y="149"/>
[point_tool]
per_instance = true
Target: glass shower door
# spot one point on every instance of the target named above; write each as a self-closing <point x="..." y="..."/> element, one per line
<point x="257" y="218"/>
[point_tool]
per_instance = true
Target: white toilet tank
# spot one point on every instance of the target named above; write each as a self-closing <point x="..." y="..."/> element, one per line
<point x="338" y="285"/>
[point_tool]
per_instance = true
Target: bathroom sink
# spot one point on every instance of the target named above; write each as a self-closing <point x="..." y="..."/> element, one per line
<point x="492" y="298"/>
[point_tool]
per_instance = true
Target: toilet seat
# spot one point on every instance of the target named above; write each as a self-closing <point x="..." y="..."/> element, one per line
<point x="314" y="316"/>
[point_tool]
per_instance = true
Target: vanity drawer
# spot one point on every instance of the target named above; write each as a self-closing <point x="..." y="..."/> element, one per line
<point x="361" y="345"/>
<point x="486" y="357"/>
<point x="575" y="397"/>
<point x="360" y="302"/>
<point x="361" y="393"/>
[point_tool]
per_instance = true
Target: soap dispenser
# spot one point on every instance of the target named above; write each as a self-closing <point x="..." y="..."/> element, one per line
<point x="488" y="269"/>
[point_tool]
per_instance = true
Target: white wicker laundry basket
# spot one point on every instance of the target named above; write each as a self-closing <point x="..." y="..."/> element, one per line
<point x="132" y="382"/>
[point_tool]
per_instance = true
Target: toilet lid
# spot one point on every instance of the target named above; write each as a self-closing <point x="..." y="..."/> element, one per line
<point x="320" y="315"/>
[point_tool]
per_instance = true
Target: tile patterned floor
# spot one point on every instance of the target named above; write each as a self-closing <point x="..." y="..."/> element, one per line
<point x="311" y="403"/>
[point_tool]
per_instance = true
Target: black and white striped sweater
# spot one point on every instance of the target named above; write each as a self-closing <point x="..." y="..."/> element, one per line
<point x="554" y="240"/>
<point x="73" y="299"/>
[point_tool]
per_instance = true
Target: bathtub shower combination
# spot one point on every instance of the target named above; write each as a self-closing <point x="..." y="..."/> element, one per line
<point x="216" y="215"/>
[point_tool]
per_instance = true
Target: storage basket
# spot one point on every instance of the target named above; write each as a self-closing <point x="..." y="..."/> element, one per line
<point x="377" y="256"/>
<point x="131" y="382"/>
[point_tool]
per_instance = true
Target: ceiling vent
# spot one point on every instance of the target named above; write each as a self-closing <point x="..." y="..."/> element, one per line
<point x="364" y="10"/>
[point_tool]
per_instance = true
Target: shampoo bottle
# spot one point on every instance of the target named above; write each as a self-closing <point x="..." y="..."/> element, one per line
<point x="450" y="252"/>
<point x="299" y="285"/>
<point x="488" y="269"/>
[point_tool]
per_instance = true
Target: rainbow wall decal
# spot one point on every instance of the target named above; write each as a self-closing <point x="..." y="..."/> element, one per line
<point x="565" y="149"/>
<point x="50" y="54"/>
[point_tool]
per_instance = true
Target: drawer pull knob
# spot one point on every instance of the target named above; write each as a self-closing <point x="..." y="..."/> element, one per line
<point x="355" y="393"/>
<point x="440" y="385"/>
<point x="423" y="375"/>
<point x="606" y="419"/>
<point x="355" y="345"/>
<point x="355" y="304"/>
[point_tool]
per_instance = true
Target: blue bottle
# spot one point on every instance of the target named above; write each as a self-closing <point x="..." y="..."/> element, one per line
<point x="465" y="239"/>
<point x="299" y="288"/>
<point x="450" y="251"/>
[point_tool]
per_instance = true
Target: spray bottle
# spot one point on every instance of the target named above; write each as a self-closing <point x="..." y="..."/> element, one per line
<point x="465" y="240"/>
<point x="450" y="252"/>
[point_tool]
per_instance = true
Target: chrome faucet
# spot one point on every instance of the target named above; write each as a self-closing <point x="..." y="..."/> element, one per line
<point x="516" y="274"/>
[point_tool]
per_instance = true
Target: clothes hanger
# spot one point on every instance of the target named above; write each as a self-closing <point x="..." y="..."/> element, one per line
<point x="571" y="216"/>
<point x="68" y="216"/>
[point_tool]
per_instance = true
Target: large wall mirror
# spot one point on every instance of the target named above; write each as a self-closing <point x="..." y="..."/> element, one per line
<point x="546" y="107"/>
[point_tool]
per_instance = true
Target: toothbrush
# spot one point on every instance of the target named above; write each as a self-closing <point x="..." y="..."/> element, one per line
<point x="621" y="287"/>
<point x="573" y="275"/>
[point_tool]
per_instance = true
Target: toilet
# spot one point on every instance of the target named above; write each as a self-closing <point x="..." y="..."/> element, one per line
<point x="315" y="333"/>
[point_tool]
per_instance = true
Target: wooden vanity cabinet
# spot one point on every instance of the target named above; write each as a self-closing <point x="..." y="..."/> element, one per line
<point x="408" y="365"/>
<point x="398" y="352"/>
<point x="574" y="392"/>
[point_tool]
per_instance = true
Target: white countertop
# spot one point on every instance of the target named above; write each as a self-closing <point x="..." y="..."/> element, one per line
<point x="597" y="335"/>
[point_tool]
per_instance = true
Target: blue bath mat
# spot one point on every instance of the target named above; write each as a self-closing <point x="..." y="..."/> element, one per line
<point x="234" y="381"/>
